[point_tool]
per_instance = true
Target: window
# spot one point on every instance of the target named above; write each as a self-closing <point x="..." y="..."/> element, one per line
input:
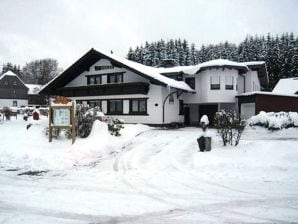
<point x="115" y="78"/>
<point x="103" y="67"/>
<point x="181" y="107"/>
<point x="93" y="80"/>
<point x="229" y="82"/>
<point x="14" y="83"/>
<point x="214" y="82"/>
<point x="191" y="82"/>
<point x="14" y="103"/>
<point x="171" y="99"/>
<point x="6" y="83"/>
<point x="115" y="106"/>
<point x="94" y="103"/>
<point x="138" y="106"/>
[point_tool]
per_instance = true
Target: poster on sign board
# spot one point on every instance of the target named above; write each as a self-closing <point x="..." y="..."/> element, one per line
<point x="61" y="117"/>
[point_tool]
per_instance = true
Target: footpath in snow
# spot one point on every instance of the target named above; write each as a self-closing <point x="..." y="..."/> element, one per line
<point x="147" y="176"/>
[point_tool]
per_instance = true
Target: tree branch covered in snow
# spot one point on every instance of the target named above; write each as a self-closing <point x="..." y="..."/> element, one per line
<point x="275" y="121"/>
<point x="229" y="126"/>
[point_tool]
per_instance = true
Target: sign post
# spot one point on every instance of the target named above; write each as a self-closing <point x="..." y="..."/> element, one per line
<point x="62" y="116"/>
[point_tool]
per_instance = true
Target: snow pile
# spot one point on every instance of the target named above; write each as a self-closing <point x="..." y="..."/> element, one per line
<point x="205" y="120"/>
<point x="275" y="121"/>
<point x="29" y="149"/>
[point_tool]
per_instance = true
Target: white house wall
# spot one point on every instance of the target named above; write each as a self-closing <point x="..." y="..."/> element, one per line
<point x="203" y="92"/>
<point x="171" y="110"/>
<point x="252" y="82"/>
<point x="9" y="102"/>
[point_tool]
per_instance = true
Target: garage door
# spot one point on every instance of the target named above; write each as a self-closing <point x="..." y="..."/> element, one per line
<point x="248" y="110"/>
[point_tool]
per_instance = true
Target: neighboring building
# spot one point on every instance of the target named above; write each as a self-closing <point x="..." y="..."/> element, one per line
<point x="34" y="98"/>
<point x="13" y="91"/>
<point x="284" y="97"/>
<point x="143" y="94"/>
<point x="286" y="86"/>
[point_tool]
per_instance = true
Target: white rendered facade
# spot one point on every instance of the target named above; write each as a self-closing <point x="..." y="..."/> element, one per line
<point x="162" y="99"/>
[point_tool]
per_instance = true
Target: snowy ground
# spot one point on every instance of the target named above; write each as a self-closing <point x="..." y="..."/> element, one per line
<point x="147" y="176"/>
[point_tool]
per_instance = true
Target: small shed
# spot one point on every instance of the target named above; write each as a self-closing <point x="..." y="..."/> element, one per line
<point x="250" y="104"/>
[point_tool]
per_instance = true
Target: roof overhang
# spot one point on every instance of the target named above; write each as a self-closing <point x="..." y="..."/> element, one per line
<point x="262" y="72"/>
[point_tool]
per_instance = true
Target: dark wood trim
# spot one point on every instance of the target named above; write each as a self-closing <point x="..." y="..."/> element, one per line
<point x="105" y="89"/>
<point x="83" y="63"/>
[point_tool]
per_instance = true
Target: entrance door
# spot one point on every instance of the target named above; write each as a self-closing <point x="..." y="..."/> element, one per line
<point x="210" y="110"/>
<point x="186" y="116"/>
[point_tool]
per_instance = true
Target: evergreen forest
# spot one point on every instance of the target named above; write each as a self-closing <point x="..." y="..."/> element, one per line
<point x="280" y="53"/>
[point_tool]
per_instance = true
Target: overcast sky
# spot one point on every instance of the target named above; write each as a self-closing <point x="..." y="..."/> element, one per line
<point x="66" y="29"/>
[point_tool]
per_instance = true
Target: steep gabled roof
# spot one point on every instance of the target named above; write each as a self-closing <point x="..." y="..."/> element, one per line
<point x="92" y="56"/>
<point x="10" y="73"/>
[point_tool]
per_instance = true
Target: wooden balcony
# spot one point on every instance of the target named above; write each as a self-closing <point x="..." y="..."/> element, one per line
<point x="106" y="89"/>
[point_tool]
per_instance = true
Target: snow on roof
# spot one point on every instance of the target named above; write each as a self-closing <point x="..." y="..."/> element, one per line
<point x="172" y="69"/>
<point x="286" y="86"/>
<point x="248" y="63"/>
<point x="214" y="63"/>
<point x="33" y="88"/>
<point x="266" y="93"/>
<point x="10" y="73"/>
<point x="151" y="72"/>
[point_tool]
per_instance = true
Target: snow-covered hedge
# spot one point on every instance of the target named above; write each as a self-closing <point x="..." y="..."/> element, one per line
<point x="275" y="121"/>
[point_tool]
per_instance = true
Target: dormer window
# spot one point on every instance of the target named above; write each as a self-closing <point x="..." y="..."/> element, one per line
<point x="103" y="67"/>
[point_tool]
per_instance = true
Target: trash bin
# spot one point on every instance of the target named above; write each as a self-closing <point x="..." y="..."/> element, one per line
<point x="201" y="143"/>
<point x="204" y="143"/>
<point x="207" y="143"/>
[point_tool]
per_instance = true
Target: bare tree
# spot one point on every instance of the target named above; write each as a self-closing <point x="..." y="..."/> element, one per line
<point x="40" y="71"/>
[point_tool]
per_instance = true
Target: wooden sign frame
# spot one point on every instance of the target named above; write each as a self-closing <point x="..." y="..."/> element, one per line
<point x="69" y="116"/>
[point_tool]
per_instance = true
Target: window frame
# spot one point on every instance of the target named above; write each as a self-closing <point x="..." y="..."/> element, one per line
<point x="103" y="67"/>
<point x="116" y="111"/>
<point x="95" y="103"/>
<point x="115" y="75"/>
<point x="229" y="86"/>
<point x="138" y="112"/>
<point x="214" y="86"/>
<point x="95" y="79"/>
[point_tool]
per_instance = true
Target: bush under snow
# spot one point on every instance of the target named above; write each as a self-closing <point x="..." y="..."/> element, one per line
<point x="275" y="120"/>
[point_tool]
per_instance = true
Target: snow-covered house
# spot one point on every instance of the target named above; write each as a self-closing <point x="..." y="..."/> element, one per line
<point x="141" y="94"/>
<point x="13" y="91"/>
